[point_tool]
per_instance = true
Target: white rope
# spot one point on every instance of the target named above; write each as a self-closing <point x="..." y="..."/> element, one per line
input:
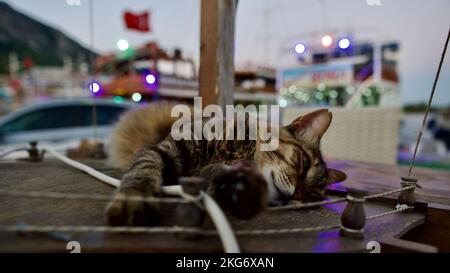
<point x="355" y="199"/>
<point x="398" y="208"/>
<point x="222" y="225"/>
<point x="285" y="230"/>
<point x="168" y="190"/>
<point x="339" y="200"/>
<point x="93" y="197"/>
<point x="7" y="152"/>
<point x="389" y="192"/>
<point x="161" y="229"/>
<point x="77" y="165"/>
<point x="227" y="237"/>
<point x="121" y="229"/>
<point x="187" y="230"/>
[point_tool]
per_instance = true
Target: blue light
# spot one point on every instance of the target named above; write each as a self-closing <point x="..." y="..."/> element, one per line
<point x="95" y="87"/>
<point x="300" y="48"/>
<point x="150" y="79"/>
<point x="344" y="43"/>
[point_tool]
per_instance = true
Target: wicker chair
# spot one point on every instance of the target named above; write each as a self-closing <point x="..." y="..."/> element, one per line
<point x="367" y="134"/>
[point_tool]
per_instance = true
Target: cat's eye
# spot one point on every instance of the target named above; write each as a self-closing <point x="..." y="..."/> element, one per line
<point x="305" y="162"/>
<point x="304" y="167"/>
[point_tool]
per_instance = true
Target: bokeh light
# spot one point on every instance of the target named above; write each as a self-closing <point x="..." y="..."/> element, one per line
<point x="319" y="96"/>
<point x="118" y="99"/>
<point x="150" y="79"/>
<point x="344" y="43"/>
<point x="321" y="86"/>
<point x="122" y="45"/>
<point x="327" y="40"/>
<point x="282" y="102"/>
<point x="300" y="48"/>
<point x="94" y="87"/>
<point x="136" y="97"/>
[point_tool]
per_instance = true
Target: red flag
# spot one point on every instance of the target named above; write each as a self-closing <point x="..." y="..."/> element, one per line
<point x="139" y="22"/>
<point x="28" y="63"/>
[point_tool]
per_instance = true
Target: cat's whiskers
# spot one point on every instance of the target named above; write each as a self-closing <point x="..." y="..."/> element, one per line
<point x="282" y="177"/>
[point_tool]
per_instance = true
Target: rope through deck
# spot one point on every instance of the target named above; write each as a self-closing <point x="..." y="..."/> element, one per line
<point x="179" y="229"/>
<point x="103" y="197"/>
<point x="152" y="230"/>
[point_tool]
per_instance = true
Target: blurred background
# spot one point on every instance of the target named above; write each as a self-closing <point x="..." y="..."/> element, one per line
<point x="371" y="61"/>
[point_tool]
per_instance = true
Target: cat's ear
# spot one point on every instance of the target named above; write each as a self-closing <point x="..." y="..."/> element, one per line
<point x="335" y="176"/>
<point x="312" y="126"/>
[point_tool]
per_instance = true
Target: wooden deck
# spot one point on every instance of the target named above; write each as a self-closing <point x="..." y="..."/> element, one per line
<point x="376" y="178"/>
<point x="55" y="176"/>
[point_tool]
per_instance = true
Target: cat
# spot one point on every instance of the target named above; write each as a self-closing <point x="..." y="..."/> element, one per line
<point x="142" y="144"/>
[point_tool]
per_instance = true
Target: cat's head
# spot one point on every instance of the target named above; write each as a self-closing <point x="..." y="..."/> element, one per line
<point x="296" y="169"/>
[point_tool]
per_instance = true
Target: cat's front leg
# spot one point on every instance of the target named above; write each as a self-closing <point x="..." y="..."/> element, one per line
<point x="143" y="180"/>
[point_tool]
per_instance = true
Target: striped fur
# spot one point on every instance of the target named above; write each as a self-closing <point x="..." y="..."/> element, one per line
<point x="142" y="144"/>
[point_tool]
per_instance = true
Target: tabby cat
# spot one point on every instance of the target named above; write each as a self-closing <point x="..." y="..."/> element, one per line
<point x="142" y="144"/>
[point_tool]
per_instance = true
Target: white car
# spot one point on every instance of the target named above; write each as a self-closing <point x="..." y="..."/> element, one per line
<point x="60" y="120"/>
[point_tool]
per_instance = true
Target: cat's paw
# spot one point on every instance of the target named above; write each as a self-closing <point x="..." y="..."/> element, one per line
<point x="242" y="190"/>
<point x="124" y="212"/>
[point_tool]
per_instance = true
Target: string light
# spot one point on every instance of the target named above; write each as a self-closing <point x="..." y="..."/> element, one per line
<point x="327" y="40"/>
<point x="118" y="99"/>
<point x="283" y="103"/>
<point x="122" y="45"/>
<point x="292" y="89"/>
<point x="300" y="48"/>
<point x="136" y="97"/>
<point x="344" y="43"/>
<point x="150" y="79"/>
<point x="94" y="87"/>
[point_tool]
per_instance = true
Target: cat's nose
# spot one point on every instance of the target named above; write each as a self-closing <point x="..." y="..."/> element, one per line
<point x="300" y="194"/>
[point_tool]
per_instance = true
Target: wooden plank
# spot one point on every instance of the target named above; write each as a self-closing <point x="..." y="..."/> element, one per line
<point x="436" y="231"/>
<point x="376" y="178"/>
<point x="52" y="175"/>
<point x="395" y="245"/>
<point x="216" y="77"/>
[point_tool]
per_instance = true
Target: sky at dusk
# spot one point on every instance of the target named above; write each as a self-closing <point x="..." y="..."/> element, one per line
<point x="266" y="29"/>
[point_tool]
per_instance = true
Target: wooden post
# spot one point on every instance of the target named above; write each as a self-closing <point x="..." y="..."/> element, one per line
<point x="216" y="77"/>
<point x="34" y="155"/>
<point x="353" y="217"/>
<point x="408" y="197"/>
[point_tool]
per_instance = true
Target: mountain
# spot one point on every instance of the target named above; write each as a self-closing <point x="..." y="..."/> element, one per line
<point x="46" y="46"/>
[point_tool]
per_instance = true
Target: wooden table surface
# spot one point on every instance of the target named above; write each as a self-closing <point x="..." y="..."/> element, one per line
<point x="55" y="176"/>
<point x="380" y="178"/>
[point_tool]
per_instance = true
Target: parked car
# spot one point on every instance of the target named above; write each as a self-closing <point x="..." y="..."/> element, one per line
<point x="60" y="120"/>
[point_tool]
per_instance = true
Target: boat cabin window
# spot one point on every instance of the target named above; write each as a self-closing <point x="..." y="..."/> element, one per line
<point x="62" y="117"/>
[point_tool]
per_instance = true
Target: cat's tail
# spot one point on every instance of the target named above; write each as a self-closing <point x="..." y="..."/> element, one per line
<point x="137" y="129"/>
